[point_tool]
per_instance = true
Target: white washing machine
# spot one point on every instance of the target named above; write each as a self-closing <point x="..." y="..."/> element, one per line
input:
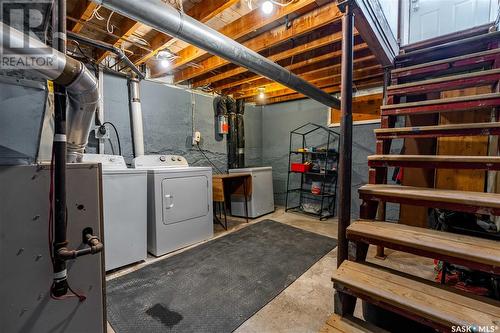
<point x="179" y="202"/>
<point x="261" y="200"/>
<point x="125" y="211"/>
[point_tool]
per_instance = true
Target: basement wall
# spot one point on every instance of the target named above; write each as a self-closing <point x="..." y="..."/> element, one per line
<point x="277" y="122"/>
<point x="167" y="119"/>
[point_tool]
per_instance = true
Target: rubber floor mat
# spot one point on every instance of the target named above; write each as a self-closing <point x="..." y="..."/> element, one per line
<point x="216" y="286"/>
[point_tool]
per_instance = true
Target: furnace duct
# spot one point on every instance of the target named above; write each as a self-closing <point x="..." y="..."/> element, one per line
<point x="81" y="85"/>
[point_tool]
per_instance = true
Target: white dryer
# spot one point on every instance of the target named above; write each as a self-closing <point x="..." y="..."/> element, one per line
<point x="179" y="202"/>
<point x="125" y="210"/>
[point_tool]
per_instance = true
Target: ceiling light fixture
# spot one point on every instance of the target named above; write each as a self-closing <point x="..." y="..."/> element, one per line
<point x="267" y="7"/>
<point x="262" y="93"/>
<point x="165" y="63"/>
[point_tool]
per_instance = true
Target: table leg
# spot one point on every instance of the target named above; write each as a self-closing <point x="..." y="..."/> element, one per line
<point x="246" y="198"/>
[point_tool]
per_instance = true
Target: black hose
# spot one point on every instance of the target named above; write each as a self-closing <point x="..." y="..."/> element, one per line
<point x="60" y="283"/>
<point x="209" y="161"/>
<point x="117" y="136"/>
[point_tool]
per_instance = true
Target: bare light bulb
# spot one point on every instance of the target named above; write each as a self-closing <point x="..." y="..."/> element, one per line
<point x="165" y="63"/>
<point x="267" y="7"/>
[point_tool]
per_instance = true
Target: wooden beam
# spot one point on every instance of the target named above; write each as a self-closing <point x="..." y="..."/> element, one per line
<point x="374" y="82"/>
<point x="83" y="12"/>
<point x="243" y="26"/>
<point x="127" y="27"/>
<point x="296" y="67"/>
<point x="362" y="64"/>
<point x="301" y="25"/>
<point x="330" y="39"/>
<point x="202" y="12"/>
<point x="361" y="77"/>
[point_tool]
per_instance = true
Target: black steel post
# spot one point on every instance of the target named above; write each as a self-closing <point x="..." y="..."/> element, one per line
<point x="345" y="154"/>
<point x="60" y="286"/>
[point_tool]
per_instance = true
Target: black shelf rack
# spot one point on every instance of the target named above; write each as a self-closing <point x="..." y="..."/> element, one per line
<point x="317" y="144"/>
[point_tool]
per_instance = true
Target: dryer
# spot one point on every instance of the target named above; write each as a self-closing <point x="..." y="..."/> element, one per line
<point x="179" y="202"/>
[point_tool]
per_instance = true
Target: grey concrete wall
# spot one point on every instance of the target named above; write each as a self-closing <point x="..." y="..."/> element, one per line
<point x="167" y="118"/>
<point x="277" y="122"/>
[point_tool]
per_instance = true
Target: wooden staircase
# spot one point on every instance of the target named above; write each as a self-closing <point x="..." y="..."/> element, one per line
<point x="418" y="88"/>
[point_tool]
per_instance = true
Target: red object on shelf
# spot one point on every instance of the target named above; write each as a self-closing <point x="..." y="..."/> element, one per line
<point x="299" y="167"/>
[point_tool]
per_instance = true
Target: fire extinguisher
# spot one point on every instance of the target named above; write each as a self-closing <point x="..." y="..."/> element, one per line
<point x="222" y="124"/>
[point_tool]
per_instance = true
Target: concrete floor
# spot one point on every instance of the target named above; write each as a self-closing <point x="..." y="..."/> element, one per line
<point x="306" y="304"/>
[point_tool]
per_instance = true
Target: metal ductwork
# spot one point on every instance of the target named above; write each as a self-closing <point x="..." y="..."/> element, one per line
<point x="107" y="47"/>
<point x="81" y="85"/>
<point x="135" y="110"/>
<point x="167" y="19"/>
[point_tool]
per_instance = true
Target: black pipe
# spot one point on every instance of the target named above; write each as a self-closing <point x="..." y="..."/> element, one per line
<point x="240" y="124"/>
<point x="232" y="136"/>
<point x="107" y="47"/>
<point x="345" y="154"/>
<point x="60" y="286"/>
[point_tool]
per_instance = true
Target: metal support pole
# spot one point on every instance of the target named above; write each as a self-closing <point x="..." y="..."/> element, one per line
<point x="345" y="156"/>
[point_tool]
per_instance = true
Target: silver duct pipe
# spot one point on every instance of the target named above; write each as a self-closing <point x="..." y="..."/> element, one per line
<point x="169" y="20"/>
<point x="81" y="85"/>
<point x="107" y="47"/>
<point x="135" y="110"/>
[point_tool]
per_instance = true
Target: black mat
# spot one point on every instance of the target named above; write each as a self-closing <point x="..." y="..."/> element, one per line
<point x="216" y="286"/>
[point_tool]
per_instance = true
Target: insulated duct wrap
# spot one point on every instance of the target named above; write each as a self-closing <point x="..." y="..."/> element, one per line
<point x="81" y="84"/>
<point x="232" y="136"/>
<point x="240" y="125"/>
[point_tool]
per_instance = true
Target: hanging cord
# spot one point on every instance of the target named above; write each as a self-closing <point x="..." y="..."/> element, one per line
<point x="209" y="161"/>
<point x="117" y="135"/>
<point x="73" y="294"/>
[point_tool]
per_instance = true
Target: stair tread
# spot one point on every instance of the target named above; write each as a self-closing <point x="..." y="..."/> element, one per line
<point x="473" y="199"/>
<point x="444" y="61"/>
<point x="435" y="304"/>
<point x="440" y="127"/>
<point x="445" y="79"/>
<point x="441" y="101"/>
<point x="467" y="248"/>
<point x="436" y="158"/>
<point x="348" y="324"/>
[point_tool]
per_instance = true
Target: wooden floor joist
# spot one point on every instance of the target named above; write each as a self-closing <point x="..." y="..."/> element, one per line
<point x="438" y="131"/>
<point x="425" y="302"/>
<point x="473" y="252"/>
<point x="463" y="201"/>
<point x="436" y="161"/>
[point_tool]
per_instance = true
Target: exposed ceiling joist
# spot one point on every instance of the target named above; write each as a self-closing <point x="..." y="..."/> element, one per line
<point x="330" y="39"/>
<point x="302" y="25"/>
<point x="295" y="67"/>
<point x="331" y="73"/>
<point x="363" y="83"/>
<point x="82" y="12"/>
<point x="243" y="26"/>
<point x="202" y="12"/>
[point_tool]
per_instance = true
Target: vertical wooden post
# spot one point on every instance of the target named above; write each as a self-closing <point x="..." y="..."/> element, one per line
<point x="345" y="156"/>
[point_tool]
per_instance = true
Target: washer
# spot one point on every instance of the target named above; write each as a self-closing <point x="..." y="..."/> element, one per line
<point x="125" y="211"/>
<point x="179" y="202"/>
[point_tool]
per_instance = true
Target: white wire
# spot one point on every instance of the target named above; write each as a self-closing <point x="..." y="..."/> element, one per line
<point x="282" y="4"/>
<point x="110" y="28"/>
